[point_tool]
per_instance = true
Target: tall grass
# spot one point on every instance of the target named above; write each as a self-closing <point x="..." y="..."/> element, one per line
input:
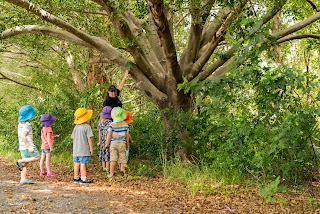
<point x="197" y="178"/>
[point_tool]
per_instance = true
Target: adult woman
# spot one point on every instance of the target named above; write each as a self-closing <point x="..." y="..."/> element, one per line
<point x="112" y="98"/>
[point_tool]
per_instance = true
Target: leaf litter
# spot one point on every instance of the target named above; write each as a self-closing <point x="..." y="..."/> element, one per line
<point x="135" y="195"/>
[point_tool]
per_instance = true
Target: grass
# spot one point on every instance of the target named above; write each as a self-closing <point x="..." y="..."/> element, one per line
<point x="197" y="179"/>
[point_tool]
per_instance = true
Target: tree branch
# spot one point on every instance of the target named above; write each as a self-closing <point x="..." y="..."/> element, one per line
<point x="219" y="68"/>
<point x="190" y="53"/>
<point x="297" y="26"/>
<point x="34" y="29"/>
<point x="300" y="36"/>
<point x="19" y="83"/>
<point x="129" y="28"/>
<point x="100" y="44"/>
<point x="313" y="5"/>
<point x="156" y="8"/>
<point x="213" y="44"/>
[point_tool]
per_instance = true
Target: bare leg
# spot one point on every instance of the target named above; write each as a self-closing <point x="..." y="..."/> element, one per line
<point x="83" y="170"/>
<point x="24" y="172"/>
<point x="112" y="167"/>
<point x="123" y="168"/>
<point x="42" y="159"/>
<point x="27" y="160"/>
<point x="48" y="160"/>
<point x="103" y="164"/>
<point x="76" y="169"/>
<point x="108" y="165"/>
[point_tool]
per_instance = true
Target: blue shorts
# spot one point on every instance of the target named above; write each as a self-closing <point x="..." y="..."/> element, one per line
<point x="45" y="151"/>
<point x="26" y="154"/>
<point x="81" y="159"/>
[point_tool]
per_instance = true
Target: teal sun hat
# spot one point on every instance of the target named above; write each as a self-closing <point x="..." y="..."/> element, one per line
<point x="26" y="112"/>
<point x="118" y="114"/>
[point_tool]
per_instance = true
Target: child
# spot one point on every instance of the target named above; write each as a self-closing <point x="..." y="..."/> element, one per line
<point x="47" y="138"/>
<point x="29" y="152"/>
<point x="118" y="139"/>
<point x="104" y="154"/>
<point x="128" y="120"/>
<point x="82" y="144"/>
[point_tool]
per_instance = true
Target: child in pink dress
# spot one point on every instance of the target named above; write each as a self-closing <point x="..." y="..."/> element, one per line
<point x="47" y="138"/>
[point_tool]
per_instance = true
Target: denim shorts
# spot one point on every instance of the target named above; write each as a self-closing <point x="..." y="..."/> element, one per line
<point x="81" y="159"/>
<point x="26" y="154"/>
<point x="45" y="151"/>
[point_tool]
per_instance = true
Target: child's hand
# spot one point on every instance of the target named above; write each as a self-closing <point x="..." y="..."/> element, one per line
<point x="30" y="149"/>
<point x="51" y="150"/>
<point x="98" y="144"/>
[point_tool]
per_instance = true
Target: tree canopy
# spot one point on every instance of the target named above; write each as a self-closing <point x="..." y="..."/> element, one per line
<point x="166" y="43"/>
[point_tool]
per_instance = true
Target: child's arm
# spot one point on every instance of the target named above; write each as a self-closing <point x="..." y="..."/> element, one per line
<point x="24" y="138"/>
<point x="100" y="136"/>
<point x="108" y="138"/>
<point x="49" y="140"/>
<point x="90" y="141"/>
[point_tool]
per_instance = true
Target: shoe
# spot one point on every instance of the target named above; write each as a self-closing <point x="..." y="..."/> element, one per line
<point x="42" y="173"/>
<point x="110" y="176"/>
<point x="85" y="181"/>
<point x="76" y="181"/>
<point x="51" y="174"/>
<point x="19" y="165"/>
<point x="26" y="181"/>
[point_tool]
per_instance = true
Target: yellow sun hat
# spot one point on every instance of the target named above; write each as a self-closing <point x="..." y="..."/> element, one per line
<point x="82" y="115"/>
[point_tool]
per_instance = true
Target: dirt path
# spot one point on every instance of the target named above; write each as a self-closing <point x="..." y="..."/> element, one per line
<point x="131" y="195"/>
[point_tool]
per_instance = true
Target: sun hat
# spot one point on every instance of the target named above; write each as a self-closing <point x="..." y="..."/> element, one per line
<point x="128" y="118"/>
<point x="47" y="120"/>
<point x="118" y="114"/>
<point x="112" y="88"/>
<point x="26" y="112"/>
<point x="82" y="115"/>
<point x="106" y="112"/>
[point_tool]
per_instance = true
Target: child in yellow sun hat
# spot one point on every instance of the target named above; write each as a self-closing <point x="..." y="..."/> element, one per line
<point x="82" y="144"/>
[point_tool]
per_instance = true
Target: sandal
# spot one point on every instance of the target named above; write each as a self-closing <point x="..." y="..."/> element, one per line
<point x="43" y="173"/>
<point x="51" y="174"/>
<point x="26" y="181"/>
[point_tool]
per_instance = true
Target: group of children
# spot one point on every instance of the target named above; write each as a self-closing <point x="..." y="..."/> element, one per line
<point x="113" y="142"/>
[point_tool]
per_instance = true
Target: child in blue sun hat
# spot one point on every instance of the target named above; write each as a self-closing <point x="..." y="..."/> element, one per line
<point x="29" y="152"/>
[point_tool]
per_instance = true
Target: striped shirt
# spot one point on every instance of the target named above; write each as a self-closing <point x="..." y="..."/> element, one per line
<point x="119" y="131"/>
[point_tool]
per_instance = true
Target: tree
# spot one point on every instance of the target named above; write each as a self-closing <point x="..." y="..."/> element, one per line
<point x="171" y="43"/>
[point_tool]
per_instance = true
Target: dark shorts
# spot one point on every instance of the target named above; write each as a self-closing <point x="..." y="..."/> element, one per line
<point x="81" y="159"/>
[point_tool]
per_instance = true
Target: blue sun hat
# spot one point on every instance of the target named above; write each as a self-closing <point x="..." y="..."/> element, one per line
<point x="118" y="114"/>
<point x="26" y="112"/>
